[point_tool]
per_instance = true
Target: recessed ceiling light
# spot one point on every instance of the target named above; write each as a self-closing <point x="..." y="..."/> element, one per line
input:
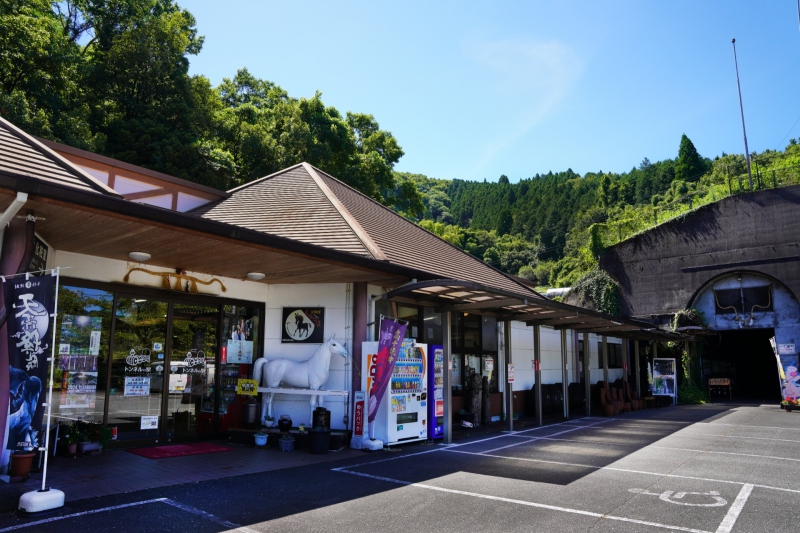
<point x="139" y="256"/>
<point x="255" y="276"/>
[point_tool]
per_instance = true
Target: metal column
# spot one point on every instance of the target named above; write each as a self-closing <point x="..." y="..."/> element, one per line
<point x="636" y="368"/>
<point x="565" y="372"/>
<point x="605" y="358"/>
<point x="537" y="362"/>
<point x="587" y="373"/>
<point x="625" y="362"/>
<point x="509" y="386"/>
<point x="447" y="372"/>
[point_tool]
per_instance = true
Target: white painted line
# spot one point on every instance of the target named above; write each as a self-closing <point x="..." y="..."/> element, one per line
<point x="748" y="427"/>
<point x="733" y="513"/>
<point x="208" y="516"/>
<point x="526" y="503"/>
<point x="83" y="513"/>
<point x="539" y="438"/>
<point x="726" y="453"/>
<point x="168" y="501"/>
<point x="527" y="459"/>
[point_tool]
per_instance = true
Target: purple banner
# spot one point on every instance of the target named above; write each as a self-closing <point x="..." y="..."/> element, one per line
<point x="29" y="303"/>
<point x="392" y="334"/>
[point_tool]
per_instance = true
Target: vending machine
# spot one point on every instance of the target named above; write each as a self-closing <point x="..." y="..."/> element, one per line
<point x="403" y="412"/>
<point x="436" y="392"/>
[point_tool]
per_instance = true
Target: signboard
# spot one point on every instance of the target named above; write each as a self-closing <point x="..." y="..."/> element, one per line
<point x="303" y="324"/>
<point x="39" y="258"/>
<point x="149" y="422"/>
<point x="786" y="349"/>
<point x="247" y="387"/>
<point x="511" y="372"/>
<point x="239" y="352"/>
<point x="358" y="410"/>
<point x="137" y="386"/>
<point x="719" y="382"/>
<point x="78" y="352"/>
<point x="29" y="304"/>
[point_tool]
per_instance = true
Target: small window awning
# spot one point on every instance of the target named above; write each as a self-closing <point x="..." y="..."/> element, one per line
<point x="451" y="295"/>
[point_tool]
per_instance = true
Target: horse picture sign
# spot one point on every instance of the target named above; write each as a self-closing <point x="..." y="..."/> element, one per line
<point x="303" y="324"/>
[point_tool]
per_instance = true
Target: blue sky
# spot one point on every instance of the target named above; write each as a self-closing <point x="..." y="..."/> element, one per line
<point x="473" y="90"/>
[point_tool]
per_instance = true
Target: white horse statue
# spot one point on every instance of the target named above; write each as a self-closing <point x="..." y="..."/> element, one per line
<point x="311" y="374"/>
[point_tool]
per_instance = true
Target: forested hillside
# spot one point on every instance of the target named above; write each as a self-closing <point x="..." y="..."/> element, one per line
<point x="112" y="77"/>
<point x="551" y="228"/>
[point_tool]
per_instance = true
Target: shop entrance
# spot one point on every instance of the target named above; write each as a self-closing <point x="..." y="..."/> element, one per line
<point x="747" y="359"/>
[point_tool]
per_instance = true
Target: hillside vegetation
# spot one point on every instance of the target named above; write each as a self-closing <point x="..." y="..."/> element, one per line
<point x="551" y="228"/>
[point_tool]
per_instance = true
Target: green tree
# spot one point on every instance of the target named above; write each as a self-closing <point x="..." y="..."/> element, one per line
<point x="690" y="165"/>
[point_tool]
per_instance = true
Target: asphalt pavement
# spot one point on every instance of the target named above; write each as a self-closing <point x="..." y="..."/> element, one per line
<point x="716" y="468"/>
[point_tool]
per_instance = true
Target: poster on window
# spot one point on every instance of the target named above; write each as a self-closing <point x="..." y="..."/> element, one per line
<point x="29" y="304"/>
<point x="137" y="386"/>
<point x="240" y="352"/>
<point x="80" y="389"/>
<point x="303" y="324"/>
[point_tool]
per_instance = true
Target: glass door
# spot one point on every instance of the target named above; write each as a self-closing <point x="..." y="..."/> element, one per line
<point x="191" y="400"/>
<point x="138" y="368"/>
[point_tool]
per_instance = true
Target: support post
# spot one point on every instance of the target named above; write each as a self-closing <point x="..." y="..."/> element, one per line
<point x="625" y="360"/>
<point x="360" y="319"/>
<point x="447" y="388"/>
<point x="537" y="362"/>
<point x="509" y="386"/>
<point x="587" y="372"/>
<point x="605" y="358"/>
<point x="636" y="368"/>
<point x="564" y="372"/>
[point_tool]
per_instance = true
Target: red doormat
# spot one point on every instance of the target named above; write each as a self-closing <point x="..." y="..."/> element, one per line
<point x="179" y="450"/>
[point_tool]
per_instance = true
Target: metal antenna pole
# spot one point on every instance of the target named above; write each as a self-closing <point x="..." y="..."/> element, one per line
<point x="741" y="109"/>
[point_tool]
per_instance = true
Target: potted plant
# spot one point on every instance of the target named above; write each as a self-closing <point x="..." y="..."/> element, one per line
<point x="269" y="421"/>
<point x="789" y="405"/>
<point x="261" y="439"/>
<point x="286" y="442"/>
<point x="71" y="438"/>
<point x="97" y="436"/>
<point x="22" y="460"/>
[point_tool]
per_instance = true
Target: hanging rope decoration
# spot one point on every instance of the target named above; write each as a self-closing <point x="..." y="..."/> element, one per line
<point x="181" y="279"/>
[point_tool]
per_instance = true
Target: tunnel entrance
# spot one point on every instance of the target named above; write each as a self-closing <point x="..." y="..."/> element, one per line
<point x="747" y="359"/>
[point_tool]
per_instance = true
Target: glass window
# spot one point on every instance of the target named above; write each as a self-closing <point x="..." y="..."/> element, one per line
<point x="614" y="355"/>
<point x="83" y="328"/>
<point x="432" y="324"/>
<point x="489" y="331"/>
<point x="410" y="315"/>
<point x="472" y="331"/>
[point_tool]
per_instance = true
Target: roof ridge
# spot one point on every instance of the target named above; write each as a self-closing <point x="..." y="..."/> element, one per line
<point x="360" y="232"/>
<point x="263" y="178"/>
<point x="508" y="276"/>
<point x="56" y="158"/>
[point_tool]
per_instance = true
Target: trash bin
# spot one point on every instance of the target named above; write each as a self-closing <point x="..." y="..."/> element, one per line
<point x="249" y="413"/>
<point x="321" y="418"/>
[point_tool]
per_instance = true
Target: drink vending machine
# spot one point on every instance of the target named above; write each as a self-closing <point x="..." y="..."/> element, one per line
<point x="436" y="392"/>
<point x="403" y="412"/>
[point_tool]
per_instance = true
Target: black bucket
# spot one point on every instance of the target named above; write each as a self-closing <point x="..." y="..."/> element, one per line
<point x="321" y="418"/>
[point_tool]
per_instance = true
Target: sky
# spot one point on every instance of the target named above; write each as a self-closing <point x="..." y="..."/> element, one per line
<point x="474" y="90"/>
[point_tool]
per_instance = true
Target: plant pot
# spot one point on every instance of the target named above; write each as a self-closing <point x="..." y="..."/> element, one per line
<point x="269" y="423"/>
<point x="319" y="442"/>
<point x="72" y="449"/>
<point x="788" y="408"/>
<point x="21" y="465"/>
<point x="86" y="447"/>
<point x="261" y="439"/>
<point x="286" y="445"/>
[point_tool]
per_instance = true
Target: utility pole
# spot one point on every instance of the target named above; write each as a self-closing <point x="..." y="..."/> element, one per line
<point x="741" y="109"/>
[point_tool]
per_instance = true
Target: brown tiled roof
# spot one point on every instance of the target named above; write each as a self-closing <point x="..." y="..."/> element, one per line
<point x="22" y="155"/>
<point x="291" y="204"/>
<point x="306" y="204"/>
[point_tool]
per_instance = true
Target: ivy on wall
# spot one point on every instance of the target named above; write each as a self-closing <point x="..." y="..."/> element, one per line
<point x="596" y="290"/>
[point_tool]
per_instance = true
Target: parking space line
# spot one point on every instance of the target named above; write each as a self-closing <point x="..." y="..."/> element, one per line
<point x="539" y="438"/>
<point x="749" y="427"/>
<point x="736" y="508"/>
<point x="524" y="503"/>
<point x="168" y="501"/>
<point x="727" y="453"/>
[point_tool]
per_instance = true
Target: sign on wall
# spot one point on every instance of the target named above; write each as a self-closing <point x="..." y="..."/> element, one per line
<point x="303" y="324"/>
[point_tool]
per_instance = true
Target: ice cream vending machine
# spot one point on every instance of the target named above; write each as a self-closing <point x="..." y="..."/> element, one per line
<point x="403" y="412"/>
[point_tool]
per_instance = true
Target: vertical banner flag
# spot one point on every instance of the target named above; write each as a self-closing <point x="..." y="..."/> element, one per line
<point x="391" y="338"/>
<point x="29" y="304"/>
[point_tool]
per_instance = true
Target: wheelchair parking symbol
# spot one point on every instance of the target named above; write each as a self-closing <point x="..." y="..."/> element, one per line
<point x="696" y="499"/>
